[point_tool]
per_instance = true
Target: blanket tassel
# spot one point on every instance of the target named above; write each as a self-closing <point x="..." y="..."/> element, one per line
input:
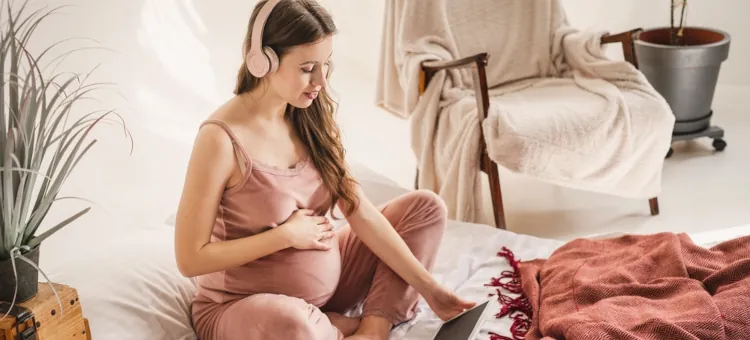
<point x="519" y="308"/>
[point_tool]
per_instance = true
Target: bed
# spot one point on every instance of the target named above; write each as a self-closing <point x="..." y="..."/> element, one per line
<point x="130" y="287"/>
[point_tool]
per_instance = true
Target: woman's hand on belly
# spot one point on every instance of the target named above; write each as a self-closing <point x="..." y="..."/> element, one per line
<point x="305" y="231"/>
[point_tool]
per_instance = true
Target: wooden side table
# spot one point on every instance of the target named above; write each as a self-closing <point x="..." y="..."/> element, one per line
<point x="46" y="312"/>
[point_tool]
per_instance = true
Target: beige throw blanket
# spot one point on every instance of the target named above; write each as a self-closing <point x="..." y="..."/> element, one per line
<point x="561" y="111"/>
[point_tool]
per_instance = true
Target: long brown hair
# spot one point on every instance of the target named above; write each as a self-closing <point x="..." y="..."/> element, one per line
<point x="292" y="23"/>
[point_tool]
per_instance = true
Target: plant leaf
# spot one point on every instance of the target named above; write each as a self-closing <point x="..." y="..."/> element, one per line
<point x="40" y="213"/>
<point x="3" y="128"/>
<point x="16" y="217"/>
<point x="7" y="204"/>
<point x="38" y="239"/>
<point x="23" y="170"/>
<point x="35" y="113"/>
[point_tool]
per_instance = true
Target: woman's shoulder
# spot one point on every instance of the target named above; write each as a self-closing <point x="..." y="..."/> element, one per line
<point x="215" y="133"/>
<point x="221" y="123"/>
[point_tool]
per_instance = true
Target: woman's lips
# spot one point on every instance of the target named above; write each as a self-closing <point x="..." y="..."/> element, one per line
<point x="311" y="95"/>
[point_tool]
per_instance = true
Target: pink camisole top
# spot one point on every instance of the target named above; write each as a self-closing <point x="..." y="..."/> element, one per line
<point x="263" y="200"/>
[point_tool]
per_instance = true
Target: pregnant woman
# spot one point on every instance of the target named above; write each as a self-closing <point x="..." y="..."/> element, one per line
<point x="266" y="170"/>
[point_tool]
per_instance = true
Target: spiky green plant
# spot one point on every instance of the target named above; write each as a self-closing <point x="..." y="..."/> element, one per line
<point x="42" y="139"/>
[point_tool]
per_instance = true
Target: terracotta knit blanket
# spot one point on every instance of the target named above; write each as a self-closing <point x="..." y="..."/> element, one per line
<point x="660" y="286"/>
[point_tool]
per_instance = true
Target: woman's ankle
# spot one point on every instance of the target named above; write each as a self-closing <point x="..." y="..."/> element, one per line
<point x="374" y="326"/>
<point x="347" y="325"/>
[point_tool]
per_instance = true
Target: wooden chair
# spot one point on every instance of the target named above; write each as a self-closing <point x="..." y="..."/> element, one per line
<point x="478" y="63"/>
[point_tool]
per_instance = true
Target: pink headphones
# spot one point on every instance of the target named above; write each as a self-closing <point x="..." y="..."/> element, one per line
<point x="261" y="60"/>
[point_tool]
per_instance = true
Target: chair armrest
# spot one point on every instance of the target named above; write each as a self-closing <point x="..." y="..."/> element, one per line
<point x="626" y="39"/>
<point x="437" y="65"/>
<point x="619" y="37"/>
<point x="478" y="63"/>
<point x="429" y="68"/>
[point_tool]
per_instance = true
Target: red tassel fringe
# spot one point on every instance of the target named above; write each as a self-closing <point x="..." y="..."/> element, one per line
<point x="518" y="309"/>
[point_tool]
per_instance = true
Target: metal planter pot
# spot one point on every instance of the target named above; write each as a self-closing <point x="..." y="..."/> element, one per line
<point x="685" y="74"/>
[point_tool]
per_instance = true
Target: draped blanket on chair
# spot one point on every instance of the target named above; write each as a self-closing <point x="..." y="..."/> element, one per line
<point x="560" y="110"/>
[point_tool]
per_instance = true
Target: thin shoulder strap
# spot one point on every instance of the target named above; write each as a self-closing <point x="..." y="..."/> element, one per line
<point x="235" y="142"/>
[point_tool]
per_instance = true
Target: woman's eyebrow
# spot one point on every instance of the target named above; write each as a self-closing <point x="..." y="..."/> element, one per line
<point x="313" y="61"/>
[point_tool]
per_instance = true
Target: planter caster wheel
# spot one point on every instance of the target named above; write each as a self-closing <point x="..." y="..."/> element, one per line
<point x="670" y="152"/>
<point x="719" y="144"/>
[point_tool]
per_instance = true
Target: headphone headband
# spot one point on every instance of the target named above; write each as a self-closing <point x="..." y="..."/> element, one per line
<point x="260" y="22"/>
<point x="257" y="62"/>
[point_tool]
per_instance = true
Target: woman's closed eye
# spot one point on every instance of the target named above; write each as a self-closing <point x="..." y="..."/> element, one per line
<point x="312" y="68"/>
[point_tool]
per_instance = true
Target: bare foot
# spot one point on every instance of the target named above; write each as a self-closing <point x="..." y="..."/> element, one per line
<point x="372" y="328"/>
<point x="345" y="324"/>
<point x="363" y="337"/>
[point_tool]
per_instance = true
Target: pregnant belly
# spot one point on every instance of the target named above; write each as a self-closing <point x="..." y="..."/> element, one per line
<point x="311" y="275"/>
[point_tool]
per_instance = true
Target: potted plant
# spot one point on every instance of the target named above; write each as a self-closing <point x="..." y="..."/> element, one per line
<point x="42" y="139"/>
<point x="682" y="63"/>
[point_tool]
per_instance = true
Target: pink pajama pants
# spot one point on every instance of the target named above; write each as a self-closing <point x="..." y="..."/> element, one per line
<point x="419" y="217"/>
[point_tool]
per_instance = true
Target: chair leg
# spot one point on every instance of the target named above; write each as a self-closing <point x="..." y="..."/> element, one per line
<point x="416" y="180"/>
<point x="495" y="193"/>
<point x="497" y="196"/>
<point x="654" y="204"/>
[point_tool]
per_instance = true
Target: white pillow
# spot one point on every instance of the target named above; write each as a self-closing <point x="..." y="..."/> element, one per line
<point x="128" y="283"/>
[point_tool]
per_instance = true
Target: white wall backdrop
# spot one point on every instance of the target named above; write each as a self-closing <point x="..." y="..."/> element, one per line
<point x="174" y="61"/>
<point x="360" y="22"/>
<point x="727" y="15"/>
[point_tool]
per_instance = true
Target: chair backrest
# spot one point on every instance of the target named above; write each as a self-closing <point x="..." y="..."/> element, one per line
<point x="519" y="35"/>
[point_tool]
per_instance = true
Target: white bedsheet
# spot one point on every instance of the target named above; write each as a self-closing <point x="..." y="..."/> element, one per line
<point x="130" y="288"/>
<point x="467" y="260"/>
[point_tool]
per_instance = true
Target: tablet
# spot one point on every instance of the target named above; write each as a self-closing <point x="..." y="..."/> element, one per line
<point x="464" y="326"/>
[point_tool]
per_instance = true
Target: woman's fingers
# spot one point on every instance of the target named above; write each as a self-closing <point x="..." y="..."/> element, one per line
<point x="318" y="244"/>
<point x="307" y="212"/>
<point x="326" y="235"/>
<point x="322" y="246"/>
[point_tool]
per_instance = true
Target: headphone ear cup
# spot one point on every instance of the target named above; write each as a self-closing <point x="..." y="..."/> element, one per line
<point x="257" y="64"/>
<point x="273" y="60"/>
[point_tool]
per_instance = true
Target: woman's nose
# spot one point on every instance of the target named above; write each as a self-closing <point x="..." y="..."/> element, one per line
<point x="319" y="78"/>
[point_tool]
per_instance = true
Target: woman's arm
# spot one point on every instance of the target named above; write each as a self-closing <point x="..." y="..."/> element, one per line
<point x="377" y="233"/>
<point x="211" y="165"/>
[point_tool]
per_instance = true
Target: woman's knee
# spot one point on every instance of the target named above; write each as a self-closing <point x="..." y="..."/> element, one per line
<point x="417" y="210"/>
<point x="430" y="204"/>
<point x="278" y="317"/>
<point x="300" y="320"/>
